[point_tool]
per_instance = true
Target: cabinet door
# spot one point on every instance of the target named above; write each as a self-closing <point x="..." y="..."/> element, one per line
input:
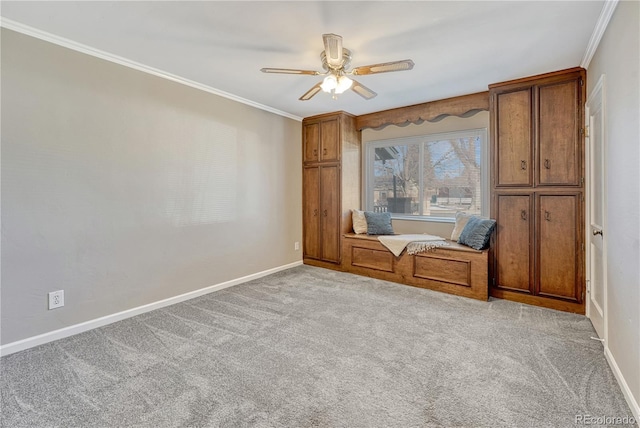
<point x="512" y="140"/>
<point x="559" y="134"/>
<point x="559" y="246"/>
<point x="311" y="212"/>
<point x="311" y="141"/>
<point x="330" y="215"/>
<point x="329" y="140"/>
<point x="513" y="250"/>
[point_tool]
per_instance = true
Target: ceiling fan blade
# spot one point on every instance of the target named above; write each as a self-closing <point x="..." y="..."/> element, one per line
<point x="311" y="92"/>
<point x="362" y="90"/>
<point x="333" y="49"/>
<point x="385" y="67"/>
<point x="289" y="71"/>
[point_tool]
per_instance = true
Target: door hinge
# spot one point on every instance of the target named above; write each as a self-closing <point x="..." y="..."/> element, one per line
<point x="581" y="82"/>
<point x="588" y="287"/>
<point x="582" y="296"/>
<point x="493" y="281"/>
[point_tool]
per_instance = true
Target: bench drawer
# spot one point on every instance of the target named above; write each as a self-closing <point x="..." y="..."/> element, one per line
<point x="442" y="269"/>
<point x="372" y="259"/>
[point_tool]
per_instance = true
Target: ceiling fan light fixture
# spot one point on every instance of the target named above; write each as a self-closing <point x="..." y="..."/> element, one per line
<point x="329" y="83"/>
<point x="344" y="83"/>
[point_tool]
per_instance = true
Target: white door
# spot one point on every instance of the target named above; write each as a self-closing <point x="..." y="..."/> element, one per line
<point x="596" y="199"/>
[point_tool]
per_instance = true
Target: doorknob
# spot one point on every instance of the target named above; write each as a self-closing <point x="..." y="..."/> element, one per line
<point x="597" y="232"/>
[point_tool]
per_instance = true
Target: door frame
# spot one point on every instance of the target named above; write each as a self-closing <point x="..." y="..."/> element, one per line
<point x="597" y="93"/>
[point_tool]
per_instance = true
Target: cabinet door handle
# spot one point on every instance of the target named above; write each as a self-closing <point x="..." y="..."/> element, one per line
<point x="315" y="213"/>
<point x="597" y="232"/>
<point x="547" y="164"/>
<point x="523" y="165"/>
<point x="325" y="213"/>
<point x="324" y="152"/>
<point x="315" y="152"/>
<point x="523" y="214"/>
<point x="547" y="215"/>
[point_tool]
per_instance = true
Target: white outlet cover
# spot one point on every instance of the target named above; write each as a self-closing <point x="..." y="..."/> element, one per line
<point x="56" y="299"/>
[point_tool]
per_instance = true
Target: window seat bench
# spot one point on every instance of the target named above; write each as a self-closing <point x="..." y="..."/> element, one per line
<point x="454" y="269"/>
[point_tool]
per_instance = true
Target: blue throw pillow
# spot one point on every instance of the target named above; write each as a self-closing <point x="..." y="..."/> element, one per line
<point x="378" y="223"/>
<point x="477" y="233"/>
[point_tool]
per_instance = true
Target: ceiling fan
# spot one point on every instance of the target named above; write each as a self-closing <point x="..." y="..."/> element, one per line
<point x="336" y="61"/>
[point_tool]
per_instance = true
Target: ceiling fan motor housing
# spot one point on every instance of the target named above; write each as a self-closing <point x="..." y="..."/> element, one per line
<point x="346" y="60"/>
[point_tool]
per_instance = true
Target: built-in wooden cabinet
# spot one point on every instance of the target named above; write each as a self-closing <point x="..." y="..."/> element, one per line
<point x="513" y="138"/>
<point x="322" y="140"/>
<point x="513" y="248"/>
<point x="560" y="246"/>
<point x="322" y="212"/>
<point x="538" y="189"/>
<point x="331" y="185"/>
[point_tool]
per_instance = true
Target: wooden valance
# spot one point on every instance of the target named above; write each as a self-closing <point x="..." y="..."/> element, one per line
<point x="463" y="106"/>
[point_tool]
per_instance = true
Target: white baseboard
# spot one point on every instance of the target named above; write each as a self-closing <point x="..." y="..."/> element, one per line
<point x="628" y="395"/>
<point x="30" y="342"/>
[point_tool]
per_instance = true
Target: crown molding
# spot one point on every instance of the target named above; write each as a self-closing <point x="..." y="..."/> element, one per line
<point x="88" y="50"/>
<point x="598" y="31"/>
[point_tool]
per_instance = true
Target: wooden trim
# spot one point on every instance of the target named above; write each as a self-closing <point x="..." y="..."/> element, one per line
<point x="516" y="296"/>
<point x="541" y="79"/>
<point x="457" y="106"/>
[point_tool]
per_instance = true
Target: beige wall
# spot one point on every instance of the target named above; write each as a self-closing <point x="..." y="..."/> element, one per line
<point x="618" y="58"/>
<point x="124" y="189"/>
<point x="448" y="124"/>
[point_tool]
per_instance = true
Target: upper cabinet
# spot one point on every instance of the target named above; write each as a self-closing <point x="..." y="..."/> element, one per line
<point x="537" y="130"/>
<point x="559" y="132"/>
<point x="322" y="140"/>
<point x="514" y="137"/>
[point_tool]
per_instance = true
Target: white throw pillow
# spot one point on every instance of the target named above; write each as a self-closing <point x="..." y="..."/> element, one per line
<point x="359" y="221"/>
<point x="461" y="222"/>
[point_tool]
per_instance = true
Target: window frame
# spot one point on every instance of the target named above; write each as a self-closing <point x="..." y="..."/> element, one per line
<point x="368" y="160"/>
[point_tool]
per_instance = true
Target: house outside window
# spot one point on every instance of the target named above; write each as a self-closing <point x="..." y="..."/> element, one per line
<point x="429" y="177"/>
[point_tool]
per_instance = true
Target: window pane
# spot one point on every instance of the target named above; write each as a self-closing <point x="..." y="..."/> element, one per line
<point x="433" y="175"/>
<point x="396" y="179"/>
<point x="452" y="176"/>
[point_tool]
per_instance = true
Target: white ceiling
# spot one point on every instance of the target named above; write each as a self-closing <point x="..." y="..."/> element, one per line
<point x="459" y="47"/>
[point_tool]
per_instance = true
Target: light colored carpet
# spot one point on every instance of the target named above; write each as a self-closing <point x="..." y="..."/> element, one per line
<point x="310" y="347"/>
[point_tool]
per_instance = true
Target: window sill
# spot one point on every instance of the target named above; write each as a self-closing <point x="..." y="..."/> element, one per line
<point x="424" y="219"/>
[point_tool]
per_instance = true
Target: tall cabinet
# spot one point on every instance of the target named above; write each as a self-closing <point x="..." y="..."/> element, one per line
<point x="537" y="185"/>
<point x="330" y="185"/>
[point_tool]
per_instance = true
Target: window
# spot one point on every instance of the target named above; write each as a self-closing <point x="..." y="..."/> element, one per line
<point x="428" y="177"/>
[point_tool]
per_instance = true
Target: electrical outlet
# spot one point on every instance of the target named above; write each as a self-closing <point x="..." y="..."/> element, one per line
<point x="56" y="299"/>
<point x="296" y="246"/>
